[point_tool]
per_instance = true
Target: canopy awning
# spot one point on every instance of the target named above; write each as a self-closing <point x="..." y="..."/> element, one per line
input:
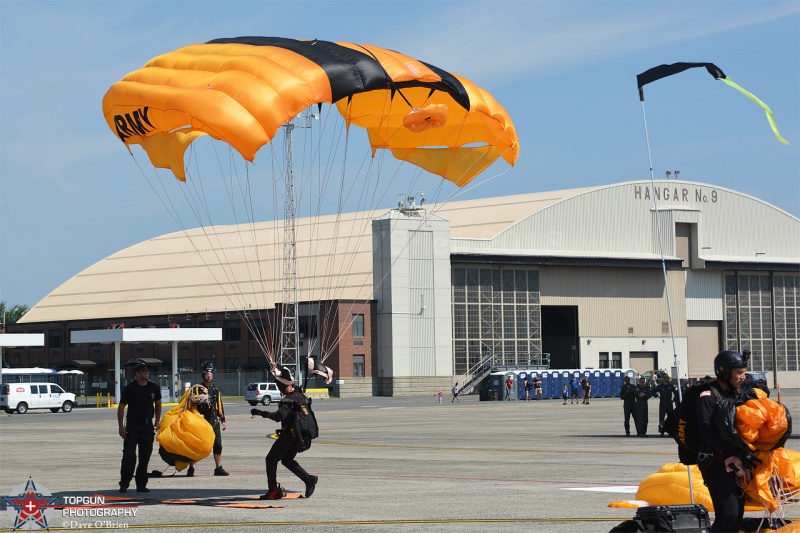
<point x="152" y="361"/>
<point x="81" y="363"/>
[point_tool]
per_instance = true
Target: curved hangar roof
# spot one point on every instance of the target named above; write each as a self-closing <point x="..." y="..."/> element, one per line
<point x="208" y="269"/>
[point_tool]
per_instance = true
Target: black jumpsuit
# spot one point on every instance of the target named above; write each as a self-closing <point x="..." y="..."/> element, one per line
<point x="726" y="495"/>
<point x="627" y="394"/>
<point x="642" y="394"/>
<point x="285" y="449"/>
<point x="668" y="399"/>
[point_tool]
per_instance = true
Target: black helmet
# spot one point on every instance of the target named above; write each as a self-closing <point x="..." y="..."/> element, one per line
<point x="283" y="377"/>
<point x="726" y="360"/>
<point x="208" y="366"/>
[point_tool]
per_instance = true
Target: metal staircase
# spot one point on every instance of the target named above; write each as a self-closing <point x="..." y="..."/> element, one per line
<point x="477" y="373"/>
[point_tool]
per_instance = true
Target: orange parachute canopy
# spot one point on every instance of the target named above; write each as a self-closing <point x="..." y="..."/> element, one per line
<point x="241" y="90"/>
<point x="185" y="433"/>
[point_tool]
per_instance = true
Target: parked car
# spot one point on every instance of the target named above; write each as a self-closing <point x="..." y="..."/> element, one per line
<point x="20" y="397"/>
<point x="263" y="393"/>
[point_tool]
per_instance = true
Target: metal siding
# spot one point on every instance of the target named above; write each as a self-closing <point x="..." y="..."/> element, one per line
<point x="705" y="293"/>
<point x="610" y="300"/>
<point x="421" y="325"/>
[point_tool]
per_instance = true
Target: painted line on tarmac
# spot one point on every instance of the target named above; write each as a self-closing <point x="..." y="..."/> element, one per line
<point x="622" y="489"/>
<point x="483" y="449"/>
<point x="223" y="525"/>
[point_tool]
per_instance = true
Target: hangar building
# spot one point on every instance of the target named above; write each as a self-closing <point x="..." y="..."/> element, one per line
<point x="409" y="300"/>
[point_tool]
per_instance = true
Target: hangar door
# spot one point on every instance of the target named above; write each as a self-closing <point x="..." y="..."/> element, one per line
<point x="704" y="343"/>
<point x="643" y="361"/>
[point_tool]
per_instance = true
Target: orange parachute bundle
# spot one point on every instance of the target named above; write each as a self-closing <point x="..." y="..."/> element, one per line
<point x="764" y="426"/>
<point x="184" y="434"/>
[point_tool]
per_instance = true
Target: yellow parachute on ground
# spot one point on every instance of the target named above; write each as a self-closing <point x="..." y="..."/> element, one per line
<point x="184" y="434"/>
<point x="241" y="90"/>
<point x="670" y="485"/>
<point x="763" y="426"/>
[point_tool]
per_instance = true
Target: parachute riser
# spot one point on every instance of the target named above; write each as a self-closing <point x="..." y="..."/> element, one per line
<point x="664" y="271"/>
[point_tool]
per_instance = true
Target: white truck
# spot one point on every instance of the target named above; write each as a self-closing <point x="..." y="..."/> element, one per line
<point x="20" y="397"/>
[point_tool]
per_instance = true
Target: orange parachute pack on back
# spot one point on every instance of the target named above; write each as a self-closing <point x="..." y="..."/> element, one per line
<point x="241" y="90"/>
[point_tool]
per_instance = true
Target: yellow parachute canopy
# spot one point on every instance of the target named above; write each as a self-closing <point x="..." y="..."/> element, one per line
<point x="242" y="90"/>
<point x="184" y="432"/>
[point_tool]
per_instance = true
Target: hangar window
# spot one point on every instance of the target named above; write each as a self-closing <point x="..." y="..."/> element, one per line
<point x="495" y="310"/>
<point x="604" y="361"/>
<point x="232" y="331"/>
<point x="55" y="338"/>
<point x="749" y="318"/>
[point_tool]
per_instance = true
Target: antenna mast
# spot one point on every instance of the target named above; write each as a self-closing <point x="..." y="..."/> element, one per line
<point x="288" y="339"/>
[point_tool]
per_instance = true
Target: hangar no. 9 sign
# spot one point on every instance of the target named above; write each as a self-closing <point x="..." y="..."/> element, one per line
<point x="698" y="195"/>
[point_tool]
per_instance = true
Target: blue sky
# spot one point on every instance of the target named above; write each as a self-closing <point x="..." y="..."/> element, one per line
<point x="565" y="71"/>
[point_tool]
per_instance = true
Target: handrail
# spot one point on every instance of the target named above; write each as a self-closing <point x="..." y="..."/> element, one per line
<point x="477" y="372"/>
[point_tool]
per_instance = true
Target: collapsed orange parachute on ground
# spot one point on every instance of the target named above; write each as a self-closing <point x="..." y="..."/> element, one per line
<point x="185" y="435"/>
<point x="242" y="90"/>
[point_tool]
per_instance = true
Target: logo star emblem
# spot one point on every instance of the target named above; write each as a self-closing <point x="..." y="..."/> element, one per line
<point x="30" y="507"/>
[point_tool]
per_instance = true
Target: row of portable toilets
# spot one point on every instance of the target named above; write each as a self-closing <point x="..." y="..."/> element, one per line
<point x="605" y="383"/>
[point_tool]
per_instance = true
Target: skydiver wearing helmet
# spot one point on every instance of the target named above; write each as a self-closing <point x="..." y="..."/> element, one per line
<point x="214" y="414"/>
<point x="720" y="462"/>
<point x="286" y="447"/>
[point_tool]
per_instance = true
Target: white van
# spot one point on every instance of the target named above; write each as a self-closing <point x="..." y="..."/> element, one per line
<point x="20" y="397"/>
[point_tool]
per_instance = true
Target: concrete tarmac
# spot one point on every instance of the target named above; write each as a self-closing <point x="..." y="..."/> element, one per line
<point x="385" y="464"/>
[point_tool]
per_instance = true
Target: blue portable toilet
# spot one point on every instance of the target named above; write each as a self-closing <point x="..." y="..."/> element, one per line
<point x="608" y="383"/>
<point x="521" y="385"/>
<point x="597" y="383"/>
<point x="555" y="384"/>
<point x="616" y="382"/>
<point x="497" y="386"/>
<point x="544" y="376"/>
<point x="566" y="376"/>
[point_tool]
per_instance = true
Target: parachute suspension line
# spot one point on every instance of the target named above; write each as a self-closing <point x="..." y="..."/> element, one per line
<point x="666" y="280"/>
<point x="172" y="210"/>
<point x="240" y="306"/>
<point x="481" y="183"/>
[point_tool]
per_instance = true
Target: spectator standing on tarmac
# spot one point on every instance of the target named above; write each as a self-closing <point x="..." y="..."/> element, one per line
<point x="143" y="400"/>
<point x="627" y="393"/>
<point x="537" y="387"/>
<point x="440" y="395"/>
<point x="642" y="394"/>
<point x="668" y="400"/>
<point x="587" y="390"/>
<point x="575" y="390"/>
<point x="527" y="386"/>
<point x="214" y="415"/>
<point x="565" y="393"/>
<point x="455" y="394"/>
<point x="509" y="384"/>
